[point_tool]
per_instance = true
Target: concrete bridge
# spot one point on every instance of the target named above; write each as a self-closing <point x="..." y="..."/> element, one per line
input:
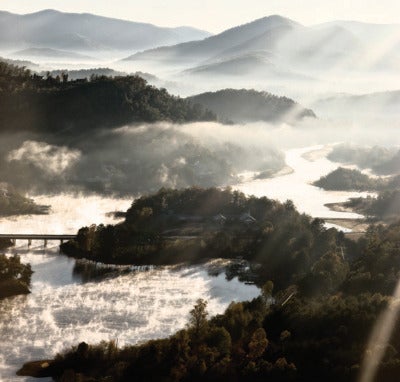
<point x="30" y="237"/>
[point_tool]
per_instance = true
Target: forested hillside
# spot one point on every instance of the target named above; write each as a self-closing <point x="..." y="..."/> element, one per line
<point x="241" y="105"/>
<point x="56" y="105"/>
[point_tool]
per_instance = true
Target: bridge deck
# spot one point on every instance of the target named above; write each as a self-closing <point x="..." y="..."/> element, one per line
<point x="20" y="236"/>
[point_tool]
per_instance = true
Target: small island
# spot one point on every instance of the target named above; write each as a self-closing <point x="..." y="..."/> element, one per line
<point x="194" y="224"/>
<point x="344" y="179"/>
<point x="15" y="277"/>
<point x="385" y="207"/>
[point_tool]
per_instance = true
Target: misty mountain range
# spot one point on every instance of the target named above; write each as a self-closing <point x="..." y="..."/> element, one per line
<point x="269" y="41"/>
<point x="86" y="32"/>
<point x="285" y="45"/>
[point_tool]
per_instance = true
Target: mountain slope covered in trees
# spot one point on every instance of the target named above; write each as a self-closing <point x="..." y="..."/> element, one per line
<point x="56" y="105"/>
<point x="249" y="106"/>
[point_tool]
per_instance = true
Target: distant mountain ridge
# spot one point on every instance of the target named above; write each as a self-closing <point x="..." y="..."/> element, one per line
<point x="213" y="45"/>
<point x="289" y="47"/>
<point x="84" y="31"/>
<point x="51" y="54"/>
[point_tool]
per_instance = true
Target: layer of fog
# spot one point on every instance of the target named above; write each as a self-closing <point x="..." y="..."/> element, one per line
<point x="306" y="88"/>
<point x="131" y="160"/>
<point x="143" y="158"/>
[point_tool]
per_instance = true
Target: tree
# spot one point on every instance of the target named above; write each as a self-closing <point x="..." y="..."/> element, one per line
<point x="198" y="317"/>
<point x="258" y="344"/>
<point x="284" y="337"/>
<point x="266" y="290"/>
<point x="64" y="77"/>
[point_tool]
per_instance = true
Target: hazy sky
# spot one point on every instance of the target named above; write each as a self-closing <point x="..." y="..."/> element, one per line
<point x="217" y="15"/>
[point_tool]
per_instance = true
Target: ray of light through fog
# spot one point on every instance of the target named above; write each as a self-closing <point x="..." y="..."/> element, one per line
<point x="379" y="339"/>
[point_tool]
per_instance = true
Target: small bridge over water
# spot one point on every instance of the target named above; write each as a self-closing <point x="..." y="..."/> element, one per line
<point x="30" y="237"/>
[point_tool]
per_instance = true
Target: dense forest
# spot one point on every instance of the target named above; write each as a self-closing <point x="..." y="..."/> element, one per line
<point x="343" y="179"/>
<point x="195" y="224"/>
<point x="15" y="277"/>
<point x="56" y="105"/>
<point x="243" y="105"/>
<point x="310" y="328"/>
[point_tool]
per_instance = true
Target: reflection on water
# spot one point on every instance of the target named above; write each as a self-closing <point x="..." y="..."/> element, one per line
<point x="380" y="337"/>
<point x="86" y="271"/>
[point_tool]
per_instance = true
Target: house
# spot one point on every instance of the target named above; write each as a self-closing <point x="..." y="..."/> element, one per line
<point x="247" y="218"/>
<point x="220" y="219"/>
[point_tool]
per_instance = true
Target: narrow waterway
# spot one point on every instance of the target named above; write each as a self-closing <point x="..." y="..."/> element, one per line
<point x="64" y="308"/>
<point x="297" y="185"/>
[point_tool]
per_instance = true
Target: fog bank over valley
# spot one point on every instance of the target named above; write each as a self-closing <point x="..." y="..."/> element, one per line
<point x="143" y="158"/>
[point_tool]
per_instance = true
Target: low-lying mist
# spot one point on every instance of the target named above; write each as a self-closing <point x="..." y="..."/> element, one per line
<point x="143" y="158"/>
<point x="133" y="159"/>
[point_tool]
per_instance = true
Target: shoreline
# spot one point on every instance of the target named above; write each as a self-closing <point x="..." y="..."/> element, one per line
<point x="316" y="154"/>
<point x="358" y="226"/>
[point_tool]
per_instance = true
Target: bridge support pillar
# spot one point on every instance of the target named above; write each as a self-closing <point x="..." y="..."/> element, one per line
<point x="45" y="243"/>
<point x="61" y="241"/>
<point x="29" y="242"/>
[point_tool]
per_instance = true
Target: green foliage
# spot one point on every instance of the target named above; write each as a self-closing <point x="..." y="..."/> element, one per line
<point x="31" y="102"/>
<point x="309" y="339"/>
<point x="198" y="318"/>
<point x="250" y="105"/>
<point x="317" y="329"/>
<point x="386" y="206"/>
<point x="326" y="276"/>
<point x="257" y="344"/>
<point x="377" y="269"/>
<point x="266" y="290"/>
<point x="344" y="179"/>
<point x="172" y="226"/>
<point x="15" y="277"/>
<point x="12" y="268"/>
